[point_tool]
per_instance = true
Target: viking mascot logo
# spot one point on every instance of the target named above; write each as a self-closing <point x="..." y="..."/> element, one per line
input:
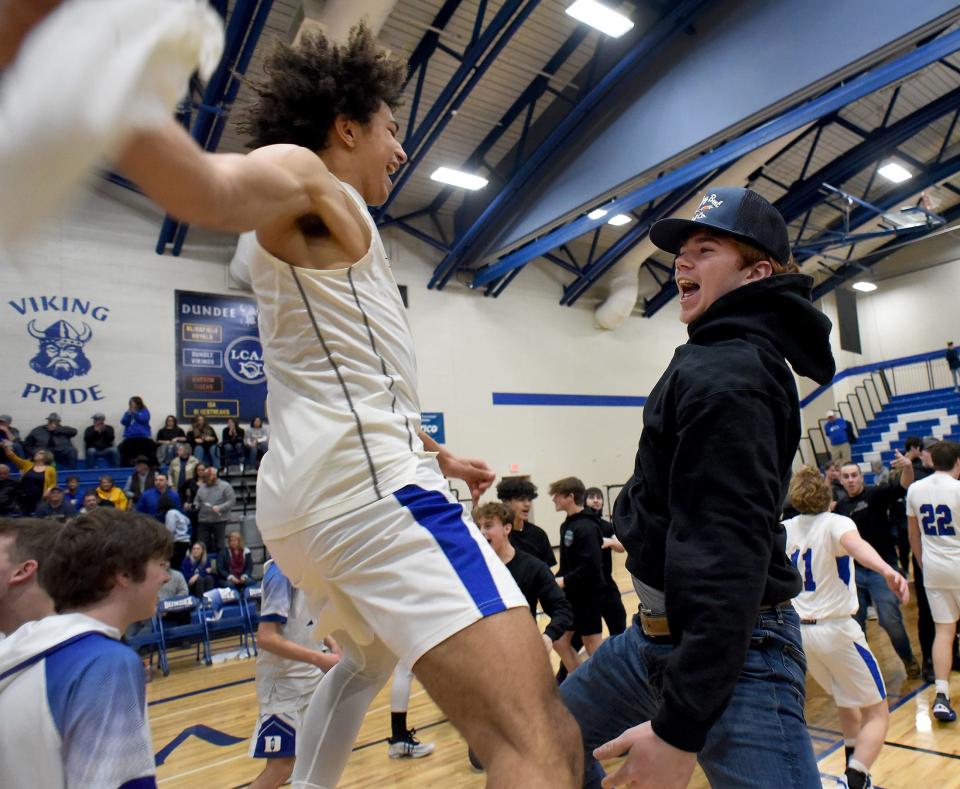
<point x="61" y="353"/>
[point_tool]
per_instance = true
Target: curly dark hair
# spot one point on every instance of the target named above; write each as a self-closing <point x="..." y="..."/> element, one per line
<point x="516" y="488"/>
<point x="309" y="85"/>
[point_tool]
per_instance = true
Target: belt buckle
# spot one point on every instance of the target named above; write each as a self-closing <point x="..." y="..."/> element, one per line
<point x="654" y="626"/>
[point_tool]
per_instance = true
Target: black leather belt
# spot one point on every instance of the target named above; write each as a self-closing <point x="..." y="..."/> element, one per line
<point x="808" y="621"/>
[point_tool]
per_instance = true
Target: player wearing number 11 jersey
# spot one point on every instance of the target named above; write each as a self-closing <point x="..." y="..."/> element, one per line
<point x="933" y="508"/>
<point x="823" y="546"/>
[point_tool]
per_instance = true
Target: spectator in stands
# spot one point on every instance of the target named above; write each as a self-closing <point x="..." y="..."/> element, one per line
<point x="107" y="492"/>
<point x="231" y="444"/>
<point x="36" y="477"/>
<point x="9" y="492"/>
<point x="188" y="495"/>
<point x="833" y="477"/>
<point x="137" y="435"/>
<point x="169" y="438"/>
<point x="183" y="467"/>
<point x="176" y="586"/>
<point x="179" y="527"/>
<point x="24" y="542"/>
<point x="836" y="432"/>
<point x="867" y="506"/>
<point x="953" y="362"/>
<point x="10" y="433"/>
<point x="98" y="442"/>
<point x="235" y="563"/>
<point x="73" y="493"/>
<point x="140" y="480"/>
<point x="214" y="500"/>
<point x="91" y="501"/>
<point x="155" y="501"/>
<point x="881" y="474"/>
<point x="256" y="441"/>
<point x="54" y="437"/>
<point x="196" y="569"/>
<point x="525" y="535"/>
<point x="203" y="441"/>
<point x="55" y="506"/>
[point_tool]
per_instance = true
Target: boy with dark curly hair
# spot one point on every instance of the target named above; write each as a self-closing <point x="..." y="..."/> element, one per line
<point x="351" y="496"/>
<point x="76" y="692"/>
<point x="518" y="494"/>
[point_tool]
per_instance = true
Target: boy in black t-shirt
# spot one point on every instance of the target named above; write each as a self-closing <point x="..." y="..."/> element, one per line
<point x="525" y="536"/>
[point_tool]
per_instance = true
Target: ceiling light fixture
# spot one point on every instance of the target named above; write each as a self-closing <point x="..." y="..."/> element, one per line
<point x="597" y="213"/>
<point x="895" y="172"/>
<point x="865" y="287"/>
<point x="620" y="219"/>
<point x="447" y="175"/>
<point x="601" y="17"/>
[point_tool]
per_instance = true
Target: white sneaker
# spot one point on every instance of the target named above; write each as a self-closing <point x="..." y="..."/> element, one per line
<point x="409" y="747"/>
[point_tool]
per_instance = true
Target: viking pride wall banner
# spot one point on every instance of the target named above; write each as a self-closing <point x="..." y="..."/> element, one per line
<point x="219" y="357"/>
<point x="63" y="332"/>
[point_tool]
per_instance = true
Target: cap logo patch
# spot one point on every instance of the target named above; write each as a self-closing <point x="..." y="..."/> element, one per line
<point x="708" y="203"/>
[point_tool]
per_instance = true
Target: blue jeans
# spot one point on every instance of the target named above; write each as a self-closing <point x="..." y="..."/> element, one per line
<point x="111" y="455"/>
<point x="210" y="456"/>
<point x="872" y="588"/>
<point x="761" y="738"/>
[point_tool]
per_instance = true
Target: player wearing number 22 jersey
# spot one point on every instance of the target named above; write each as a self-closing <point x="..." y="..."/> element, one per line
<point x="933" y="506"/>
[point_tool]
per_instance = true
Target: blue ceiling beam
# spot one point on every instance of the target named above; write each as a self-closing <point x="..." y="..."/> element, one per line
<point x="933" y="175"/>
<point x="243" y="30"/>
<point x="678" y="18"/>
<point x="881" y="142"/>
<point x="625" y="243"/>
<point x="496" y="35"/>
<point x="831" y="101"/>
<point x="531" y="94"/>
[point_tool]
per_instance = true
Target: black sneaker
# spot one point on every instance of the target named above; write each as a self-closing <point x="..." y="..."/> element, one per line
<point x="942" y="710"/>
<point x="912" y="668"/>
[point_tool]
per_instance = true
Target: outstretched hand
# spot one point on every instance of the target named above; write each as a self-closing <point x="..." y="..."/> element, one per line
<point x="651" y="763"/>
<point x="899" y="460"/>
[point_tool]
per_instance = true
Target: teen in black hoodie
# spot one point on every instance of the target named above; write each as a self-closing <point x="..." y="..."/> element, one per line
<point x="699" y="519"/>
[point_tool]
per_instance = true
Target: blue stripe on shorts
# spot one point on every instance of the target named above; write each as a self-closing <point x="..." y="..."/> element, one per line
<point x="871" y="662"/>
<point x="444" y="520"/>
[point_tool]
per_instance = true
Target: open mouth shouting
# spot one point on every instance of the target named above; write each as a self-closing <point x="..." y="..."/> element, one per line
<point x="688" y="289"/>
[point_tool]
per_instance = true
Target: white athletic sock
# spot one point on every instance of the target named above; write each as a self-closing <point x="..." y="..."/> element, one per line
<point x="851" y="743"/>
<point x="860" y="767"/>
<point x="943" y="686"/>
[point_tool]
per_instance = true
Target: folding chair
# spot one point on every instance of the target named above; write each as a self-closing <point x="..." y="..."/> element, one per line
<point x="194" y="631"/>
<point x="252" y="595"/>
<point x="149" y="638"/>
<point x="224" y="613"/>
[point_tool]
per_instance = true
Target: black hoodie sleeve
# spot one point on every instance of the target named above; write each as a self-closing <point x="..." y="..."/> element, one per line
<point x="554" y="603"/>
<point x="724" y="498"/>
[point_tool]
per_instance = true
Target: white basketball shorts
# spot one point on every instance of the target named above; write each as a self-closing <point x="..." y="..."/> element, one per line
<point x="411" y="567"/>
<point x="840" y="660"/>
<point x="275" y="733"/>
<point x="944" y="605"/>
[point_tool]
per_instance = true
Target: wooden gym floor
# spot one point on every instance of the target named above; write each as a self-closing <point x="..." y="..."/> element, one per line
<point x="202" y="717"/>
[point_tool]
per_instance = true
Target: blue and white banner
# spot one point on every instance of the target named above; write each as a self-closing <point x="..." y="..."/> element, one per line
<point x="219" y="357"/>
<point x="431" y="422"/>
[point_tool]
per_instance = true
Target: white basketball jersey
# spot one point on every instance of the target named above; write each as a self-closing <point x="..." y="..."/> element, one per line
<point x="935" y="503"/>
<point x="829" y="586"/>
<point x="283" y="684"/>
<point x="342" y="385"/>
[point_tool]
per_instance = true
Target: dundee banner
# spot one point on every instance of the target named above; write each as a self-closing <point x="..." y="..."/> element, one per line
<point x="219" y="357"/>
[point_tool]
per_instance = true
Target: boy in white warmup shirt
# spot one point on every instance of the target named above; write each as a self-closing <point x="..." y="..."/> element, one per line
<point x="931" y="506"/>
<point x="823" y="546"/>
